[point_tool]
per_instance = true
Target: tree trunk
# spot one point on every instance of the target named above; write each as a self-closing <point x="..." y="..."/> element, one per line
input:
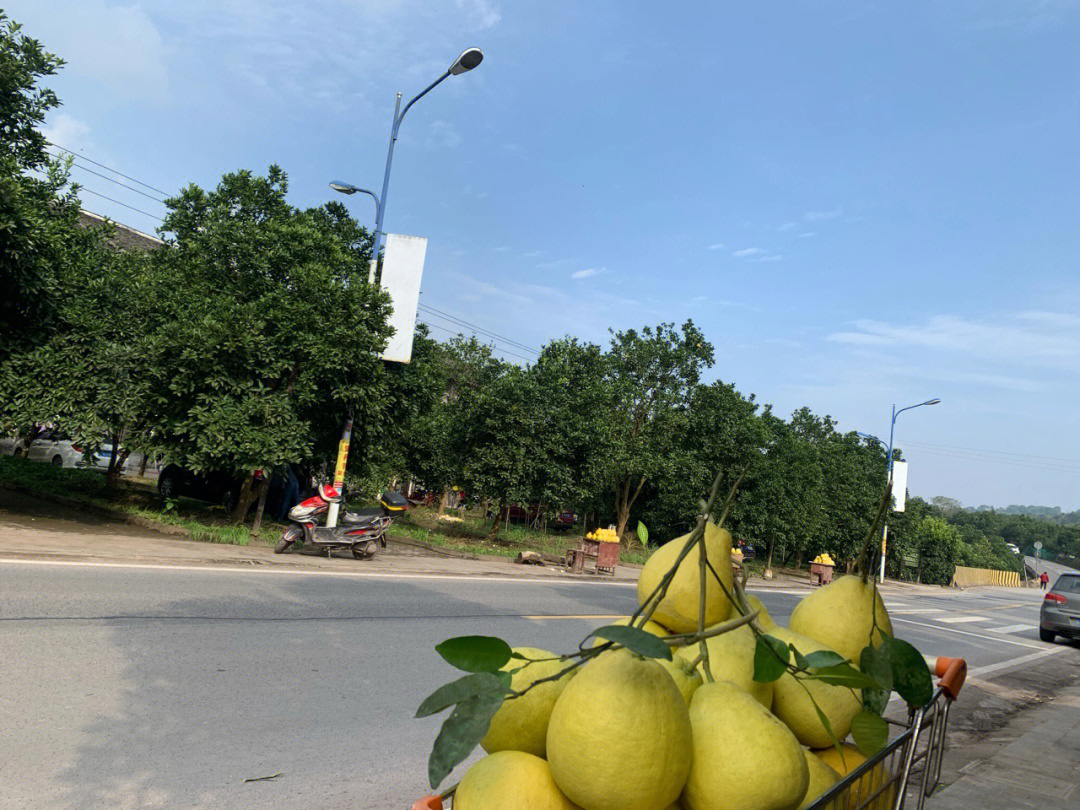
<point x="443" y="501"/>
<point x="113" y="476"/>
<point x="264" y="487"/>
<point x="798" y="559"/>
<point x="142" y="465"/>
<point x="244" y="500"/>
<point x="768" y="557"/>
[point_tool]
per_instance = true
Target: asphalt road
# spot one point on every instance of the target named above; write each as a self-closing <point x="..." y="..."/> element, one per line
<point x="1055" y="570"/>
<point x="129" y="687"/>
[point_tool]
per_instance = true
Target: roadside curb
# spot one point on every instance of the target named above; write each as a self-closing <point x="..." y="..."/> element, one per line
<point x="440" y="550"/>
<point x="99" y="510"/>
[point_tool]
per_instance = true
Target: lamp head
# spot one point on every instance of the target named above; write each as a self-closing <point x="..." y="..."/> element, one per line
<point x="470" y="58"/>
<point x="343" y="188"/>
<point x="934" y="401"/>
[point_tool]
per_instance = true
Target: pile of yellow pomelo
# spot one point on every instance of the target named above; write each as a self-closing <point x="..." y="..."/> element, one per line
<point x="603" y="536"/>
<point x="824" y="559"/>
<point x="624" y="732"/>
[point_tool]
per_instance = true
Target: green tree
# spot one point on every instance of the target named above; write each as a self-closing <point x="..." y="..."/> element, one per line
<point x="573" y="402"/>
<point x="436" y="444"/>
<point x="780" y="501"/>
<point x="91" y="374"/>
<point x="650" y="374"/>
<point x="721" y="430"/>
<point x="39" y="234"/>
<point x="269" y="332"/>
<point x="938" y="546"/>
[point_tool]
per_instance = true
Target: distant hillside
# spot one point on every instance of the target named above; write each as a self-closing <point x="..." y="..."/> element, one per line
<point x="1053" y="514"/>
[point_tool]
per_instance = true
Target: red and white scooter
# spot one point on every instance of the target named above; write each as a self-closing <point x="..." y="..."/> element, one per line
<point x="362" y="532"/>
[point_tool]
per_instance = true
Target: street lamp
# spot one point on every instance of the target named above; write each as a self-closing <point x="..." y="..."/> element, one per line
<point x="889" y="469"/>
<point x="469" y="59"/>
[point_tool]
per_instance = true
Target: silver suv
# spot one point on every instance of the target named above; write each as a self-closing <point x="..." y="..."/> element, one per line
<point x="1060" y="614"/>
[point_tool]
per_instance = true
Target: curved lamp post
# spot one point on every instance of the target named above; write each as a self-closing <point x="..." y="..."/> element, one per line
<point x="889" y="468"/>
<point x="469" y="59"/>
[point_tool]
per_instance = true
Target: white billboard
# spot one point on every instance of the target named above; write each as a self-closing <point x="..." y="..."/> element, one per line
<point x="899" y="485"/>
<point x="403" y="268"/>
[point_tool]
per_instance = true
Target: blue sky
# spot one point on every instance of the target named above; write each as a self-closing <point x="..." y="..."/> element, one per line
<point x="860" y="203"/>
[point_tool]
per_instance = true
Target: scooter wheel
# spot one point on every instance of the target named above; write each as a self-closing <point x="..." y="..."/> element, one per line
<point x="289" y="537"/>
<point x="364" y="551"/>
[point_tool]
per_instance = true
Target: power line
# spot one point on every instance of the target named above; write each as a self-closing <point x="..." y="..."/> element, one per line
<point x="453" y="318"/>
<point x="452" y="332"/>
<point x="125" y="205"/>
<point x="994" y="452"/>
<point x="993" y="460"/>
<point x="109" y="168"/>
<point x="460" y="321"/>
<point x="475" y="330"/>
<point x="123" y="185"/>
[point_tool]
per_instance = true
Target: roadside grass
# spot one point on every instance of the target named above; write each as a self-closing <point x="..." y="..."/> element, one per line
<point x="212" y="524"/>
<point x="471" y="533"/>
<point x="204" y="522"/>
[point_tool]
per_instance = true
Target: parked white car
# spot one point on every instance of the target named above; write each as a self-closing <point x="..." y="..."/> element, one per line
<point x="54" y="447"/>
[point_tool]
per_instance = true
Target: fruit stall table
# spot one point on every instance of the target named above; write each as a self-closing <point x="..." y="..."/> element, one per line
<point x="605" y="554"/>
<point x="821" y="573"/>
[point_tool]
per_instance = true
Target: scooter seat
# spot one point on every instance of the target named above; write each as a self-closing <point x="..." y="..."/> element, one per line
<point x="362" y="516"/>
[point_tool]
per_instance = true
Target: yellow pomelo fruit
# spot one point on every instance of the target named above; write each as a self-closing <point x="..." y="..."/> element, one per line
<point x="731" y="658"/>
<point x="764" y="620"/>
<point x="822" y="777"/>
<point x="650" y="626"/>
<point x="793" y="705"/>
<point x="619" y="736"/>
<point x="521" y="723"/>
<point x="841" y="616"/>
<point x="744" y="758"/>
<point x="510" y="780"/>
<point x="686" y="677"/>
<point x="848" y="759"/>
<point x="678" y="611"/>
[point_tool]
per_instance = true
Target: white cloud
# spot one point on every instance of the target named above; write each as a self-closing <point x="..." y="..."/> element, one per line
<point x="116" y="45"/>
<point x="774" y="257"/>
<point x="554" y="263"/>
<point x="502" y="249"/>
<point x="787" y="226"/>
<point x="532" y="254"/>
<point x="716" y="246"/>
<point x="814" y="216"/>
<point x="807" y="234"/>
<point x="481" y="13"/>
<point x="1050" y="338"/>
<point x="748" y="252"/>
<point x="588" y="271"/>
<point x="68" y="132"/>
<point x="443" y="135"/>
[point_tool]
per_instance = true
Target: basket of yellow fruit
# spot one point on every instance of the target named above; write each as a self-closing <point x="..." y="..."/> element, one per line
<point x="601" y="545"/>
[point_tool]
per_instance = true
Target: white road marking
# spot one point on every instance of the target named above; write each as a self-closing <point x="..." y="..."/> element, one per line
<point x="311" y="572"/>
<point x="990" y="669"/>
<point x="1012" y="628"/>
<point x="916" y="610"/>
<point x="963" y="619"/>
<point x="982" y="672"/>
<point x="996" y="639"/>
